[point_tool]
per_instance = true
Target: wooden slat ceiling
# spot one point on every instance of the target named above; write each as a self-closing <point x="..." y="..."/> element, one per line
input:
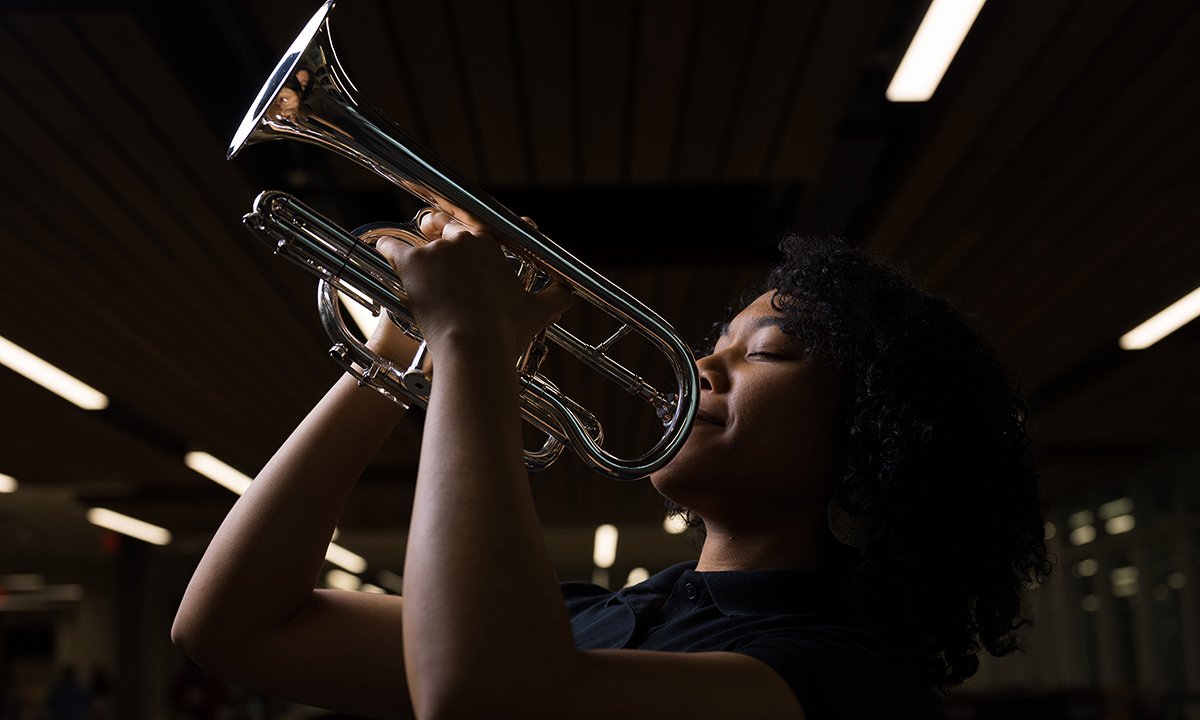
<point x="1050" y="187"/>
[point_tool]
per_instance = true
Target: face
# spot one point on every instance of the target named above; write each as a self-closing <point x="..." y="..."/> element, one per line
<point x="764" y="437"/>
<point x="286" y="105"/>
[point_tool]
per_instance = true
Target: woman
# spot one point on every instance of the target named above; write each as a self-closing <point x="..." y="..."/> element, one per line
<point x="860" y="471"/>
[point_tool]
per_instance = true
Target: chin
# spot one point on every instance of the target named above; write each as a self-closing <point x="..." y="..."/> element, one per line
<point x="686" y="478"/>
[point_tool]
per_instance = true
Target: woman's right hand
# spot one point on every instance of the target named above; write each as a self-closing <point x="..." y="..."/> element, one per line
<point x="460" y="286"/>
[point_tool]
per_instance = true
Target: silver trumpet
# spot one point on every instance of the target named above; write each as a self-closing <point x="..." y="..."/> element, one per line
<point x="332" y="116"/>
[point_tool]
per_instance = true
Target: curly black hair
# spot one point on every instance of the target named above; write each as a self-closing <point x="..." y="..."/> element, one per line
<point x="938" y="463"/>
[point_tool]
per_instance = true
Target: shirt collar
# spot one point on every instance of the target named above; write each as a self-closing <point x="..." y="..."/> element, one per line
<point x="750" y="592"/>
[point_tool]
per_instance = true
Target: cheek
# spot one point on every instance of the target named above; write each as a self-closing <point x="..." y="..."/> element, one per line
<point x="790" y="427"/>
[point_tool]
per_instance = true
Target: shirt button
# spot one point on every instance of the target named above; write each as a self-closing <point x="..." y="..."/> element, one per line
<point x="691" y="591"/>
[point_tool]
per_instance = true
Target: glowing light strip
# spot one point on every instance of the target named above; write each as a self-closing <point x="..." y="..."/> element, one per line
<point x="674" y="524"/>
<point x="604" y="552"/>
<point x="1176" y="315"/>
<point x="345" y="559"/>
<point x="224" y="475"/>
<point x="941" y="33"/>
<point x="37" y="370"/>
<point x="126" y="525"/>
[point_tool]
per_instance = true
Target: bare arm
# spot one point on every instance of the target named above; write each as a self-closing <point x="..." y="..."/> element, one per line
<point x="483" y="632"/>
<point x="485" y="629"/>
<point x="250" y="612"/>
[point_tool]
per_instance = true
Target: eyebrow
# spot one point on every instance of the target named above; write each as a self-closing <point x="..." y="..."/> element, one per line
<point x="759" y="322"/>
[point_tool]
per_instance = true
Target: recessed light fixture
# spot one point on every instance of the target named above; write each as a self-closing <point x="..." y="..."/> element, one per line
<point x="637" y="575"/>
<point x="604" y="552"/>
<point x="674" y="524"/>
<point x="343" y="558"/>
<point x="941" y="33"/>
<point x="342" y="580"/>
<point x="1176" y="315"/>
<point x="130" y="526"/>
<point x="219" y="472"/>
<point x="37" y="370"/>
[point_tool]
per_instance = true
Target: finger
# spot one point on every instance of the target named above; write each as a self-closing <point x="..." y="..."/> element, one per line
<point x="432" y="222"/>
<point x="455" y="230"/>
<point x="396" y="251"/>
<point x="552" y="302"/>
<point x="530" y="221"/>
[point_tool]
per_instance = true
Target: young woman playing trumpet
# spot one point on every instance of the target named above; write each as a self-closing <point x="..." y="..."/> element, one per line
<point x="859" y="470"/>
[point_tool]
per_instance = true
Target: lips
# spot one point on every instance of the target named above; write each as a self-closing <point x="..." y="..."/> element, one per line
<point x="707" y="416"/>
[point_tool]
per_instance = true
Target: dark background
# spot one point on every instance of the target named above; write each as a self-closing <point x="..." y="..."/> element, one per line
<point x="1049" y="188"/>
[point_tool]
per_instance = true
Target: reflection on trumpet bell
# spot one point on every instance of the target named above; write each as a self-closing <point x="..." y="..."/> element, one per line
<point x="326" y="112"/>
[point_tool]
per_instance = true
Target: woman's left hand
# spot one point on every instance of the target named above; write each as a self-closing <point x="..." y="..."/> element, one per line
<point x="461" y="288"/>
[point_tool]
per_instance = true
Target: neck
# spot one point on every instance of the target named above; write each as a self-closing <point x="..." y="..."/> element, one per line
<point x="794" y="543"/>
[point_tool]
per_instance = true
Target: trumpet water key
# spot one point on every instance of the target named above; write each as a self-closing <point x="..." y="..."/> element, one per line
<point x="330" y="114"/>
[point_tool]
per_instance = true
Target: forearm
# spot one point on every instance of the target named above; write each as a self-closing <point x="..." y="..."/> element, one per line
<point x="260" y="568"/>
<point x="483" y="611"/>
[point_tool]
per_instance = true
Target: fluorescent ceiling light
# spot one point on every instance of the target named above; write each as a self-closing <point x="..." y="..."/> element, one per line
<point x="1082" y="535"/>
<point x="217" y="471"/>
<point x="1120" y="524"/>
<point x="637" y="575"/>
<point x="1123" y="575"/>
<point x="674" y="524"/>
<point x="1120" y="506"/>
<point x="604" y="552"/>
<point x="37" y="370"/>
<point x="1179" y="313"/>
<point x="126" y="525"/>
<point x="937" y="40"/>
<point x="342" y="580"/>
<point x="345" y="559"/>
<point x="45" y="598"/>
<point x="22" y="582"/>
<point x="1081" y="518"/>
<point x="390" y="580"/>
<point x="8" y="483"/>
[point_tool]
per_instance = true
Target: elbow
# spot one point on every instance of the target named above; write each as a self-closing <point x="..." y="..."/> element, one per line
<point x="199" y="642"/>
<point x="182" y="634"/>
<point x="186" y="636"/>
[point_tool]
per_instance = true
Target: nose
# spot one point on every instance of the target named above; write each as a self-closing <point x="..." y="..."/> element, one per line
<point x="712" y="373"/>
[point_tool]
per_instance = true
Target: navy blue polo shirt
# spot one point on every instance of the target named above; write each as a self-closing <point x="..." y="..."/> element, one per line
<point x="788" y="619"/>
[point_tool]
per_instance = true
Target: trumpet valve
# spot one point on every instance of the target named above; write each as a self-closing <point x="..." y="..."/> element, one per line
<point x="415" y="378"/>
